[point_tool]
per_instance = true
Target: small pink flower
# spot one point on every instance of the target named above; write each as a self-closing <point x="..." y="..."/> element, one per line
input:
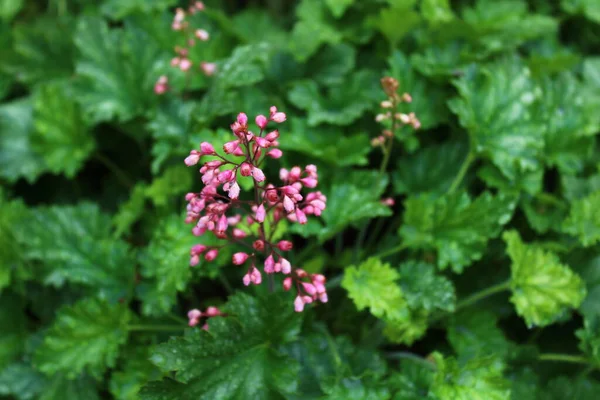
<point x="208" y="68"/>
<point x="194" y="260"/>
<point x="286" y="267"/>
<point x="185" y="64"/>
<point x="194" y="317"/>
<point x="278" y="117"/>
<point x="255" y="276"/>
<point x="287" y="283"/>
<point x="260" y="213"/>
<point x="288" y="204"/>
<point x="226" y="176"/>
<point x="246" y="279"/>
<point x="258" y="245"/>
<point x="269" y="264"/>
<point x="242" y="119"/>
<point x="284" y="174"/>
<point x="299" y="304"/>
<point x="261" y="121"/>
<point x="275" y="153"/>
<point x="246" y="169"/>
<point x="239" y="258"/>
<point x="211" y="254"/>
<point x="257" y="174"/>
<point x="309" y="182"/>
<point x="207" y="148"/>
<point x="309" y="288"/>
<point x="285" y="245"/>
<point x="272" y="136"/>
<point x="201" y="34"/>
<point x="239" y="234"/>
<point x="234" y="191"/>
<point x="300" y="216"/>
<point x="262" y="142"/>
<point x="192" y="159"/>
<point x="212" y="312"/>
<point x="198" y="249"/>
<point x="175" y="61"/>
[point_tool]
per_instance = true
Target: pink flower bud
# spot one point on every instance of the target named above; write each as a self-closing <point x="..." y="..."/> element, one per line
<point x="285" y="245"/>
<point x="272" y="136"/>
<point x="287" y="283"/>
<point x="284" y="174"/>
<point x="300" y="216"/>
<point x="323" y="297"/>
<point x="239" y="234"/>
<point x="222" y="224"/>
<point x="262" y="142"/>
<point x="207" y="148"/>
<point x="230" y="147"/>
<point x="198" y="249"/>
<point x="239" y="258"/>
<point x="261" y="121"/>
<point x="199" y="5"/>
<point x="275" y="153"/>
<point x="286" y="267"/>
<point x="238" y="152"/>
<point x="194" y="314"/>
<point x="211" y="254"/>
<point x="257" y="174"/>
<point x="309" y="288"/>
<point x="255" y="276"/>
<point x="226" y="176"/>
<point x="246" y="279"/>
<point x="309" y="182"/>
<point x="299" y="304"/>
<point x="234" y="191"/>
<point x="192" y="159"/>
<point x="307" y="299"/>
<point x="288" y="204"/>
<point x="301" y="273"/>
<point x="269" y="264"/>
<point x="194" y="260"/>
<point x="295" y="173"/>
<point x="201" y="34"/>
<point x="260" y="213"/>
<point x="212" y="312"/>
<point x="175" y="61"/>
<point x="185" y="64"/>
<point x="208" y="68"/>
<point x="242" y="119"/>
<point x="245" y="169"/>
<point x="258" y="245"/>
<point x="277" y="267"/>
<point x="278" y="117"/>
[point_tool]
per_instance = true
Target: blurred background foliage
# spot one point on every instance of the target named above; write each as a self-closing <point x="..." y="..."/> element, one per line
<point x="92" y="240"/>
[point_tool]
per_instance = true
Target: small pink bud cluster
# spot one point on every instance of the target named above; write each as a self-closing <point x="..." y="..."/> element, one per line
<point x="218" y="208"/>
<point x="182" y="60"/>
<point x="389" y="114"/>
<point x="310" y="288"/>
<point x="195" y="315"/>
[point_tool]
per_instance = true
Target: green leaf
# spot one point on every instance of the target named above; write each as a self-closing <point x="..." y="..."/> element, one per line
<point x="12" y="320"/>
<point x="84" y="337"/>
<point x="61" y="388"/>
<point x="60" y="136"/>
<point x="453" y="225"/>
<point x="245" y="67"/>
<point x="130" y="211"/>
<point x="17" y="158"/>
<point x="374" y="285"/>
<point x="338" y="7"/>
<point x="407" y="328"/>
<point x="571" y="388"/>
<point x="589" y="338"/>
<point x="589" y="8"/>
<point x="75" y="244"/>
<point x="495" y="107"/>
<point x="343" y="104"/>
<point x="136" y="370"/>
<point x="43" y="51"/>
<point x="12" y="214"/>
<point x="424" y="289"/>
<point x="413" y="380"/>
<point x="174" y="182"/>
<point x="312" y="30"/>
<point x="117" y="9"/>
<point x="437" y="11"/>
<point x="543" y="288"/>
<point x="9" y="9"/>
<point x="544" y="212"/>
<point x="238" y="358"/>
<point x="21" y="381"/>
<point x="428" y="99"/>
<point x="584" y="219"/>
<point x="351" y="199"/>
<point x="166" y="265"/>
<point x="396" y="21"/>
<point x="328" y="144"/>
<point x="568" y="123"/>
<point x="115" y="70"/>
<point x="478" y="379"/>
<point x="333" y="63"/>
<point x="431" y="169"/>
<point x="476" y="334"/>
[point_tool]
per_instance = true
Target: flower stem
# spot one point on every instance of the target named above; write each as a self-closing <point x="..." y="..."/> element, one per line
<point x="391" y="251"/>
<point x="155" y="328"/>
<point x="405" y="355"/>
<point x="462" y="172"/>
<point x="482" y="294"/>
<point x="569" y="358"/>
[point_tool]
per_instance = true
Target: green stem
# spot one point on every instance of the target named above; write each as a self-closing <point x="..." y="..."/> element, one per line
<point x="225" y="282"/>
<point x="404" y="355"/>
<point x="482" y="294"/>
<point x="114" y="168"/>
<point x="462" y="172"/>
<point x="569" y="358"/>
<point x="391" y="251"/>
<point x="386" y="159"/>
<point x="155" y="328"/>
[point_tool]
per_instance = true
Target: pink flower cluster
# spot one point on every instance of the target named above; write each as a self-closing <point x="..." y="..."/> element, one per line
<point x="226" y="216"/>
<point x="195" y="315"/>
<point x="190" y="36"/>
